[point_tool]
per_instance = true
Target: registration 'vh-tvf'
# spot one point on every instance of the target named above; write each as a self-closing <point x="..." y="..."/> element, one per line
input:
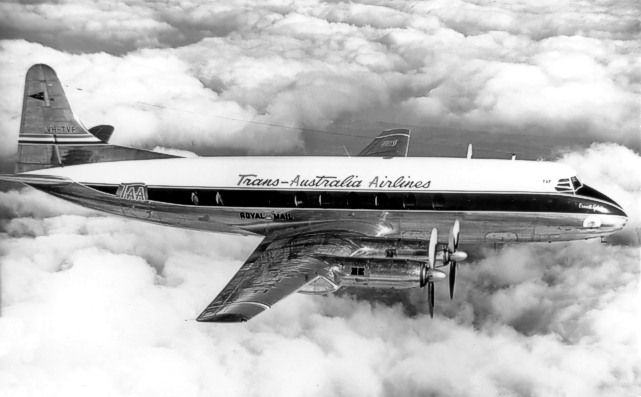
<point x="376" y="220"/>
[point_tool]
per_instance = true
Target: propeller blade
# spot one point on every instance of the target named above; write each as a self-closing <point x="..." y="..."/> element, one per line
<point x="430" y="298"/>
<point x="453" y="266"/>
<point x="456" y="231"/>
<point x="450" y="241"/>
<point x="432" y="248"/>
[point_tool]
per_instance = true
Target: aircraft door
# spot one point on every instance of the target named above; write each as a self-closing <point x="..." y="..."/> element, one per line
<point x="134" y="200"/>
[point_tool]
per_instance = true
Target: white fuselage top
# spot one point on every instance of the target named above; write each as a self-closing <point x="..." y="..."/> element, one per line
<point x="417" y="174"/>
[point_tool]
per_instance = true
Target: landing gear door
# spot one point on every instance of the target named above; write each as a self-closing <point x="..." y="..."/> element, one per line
<point x="134" y="200"/>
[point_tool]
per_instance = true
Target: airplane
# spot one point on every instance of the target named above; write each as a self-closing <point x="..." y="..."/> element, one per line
<point x="379" y="219"/>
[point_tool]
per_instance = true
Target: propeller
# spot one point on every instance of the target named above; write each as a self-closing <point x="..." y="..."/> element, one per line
<point x="453" y="256"/>
<point x="431" y="264"/>
<point x="429" y="273"/>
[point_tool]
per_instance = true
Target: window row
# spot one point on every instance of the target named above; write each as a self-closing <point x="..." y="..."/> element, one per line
<point x="520" y="202"/>
<point x="244" y="198"/>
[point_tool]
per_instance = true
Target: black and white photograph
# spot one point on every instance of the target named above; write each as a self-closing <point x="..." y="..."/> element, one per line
<point x="320" y="198"/>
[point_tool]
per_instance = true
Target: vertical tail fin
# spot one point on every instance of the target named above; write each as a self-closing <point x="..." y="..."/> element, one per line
<point x="390" y="143"/>
<point x="47" y="119"/>
<point x="52" y="136"/>
<point x="47" y="115"/>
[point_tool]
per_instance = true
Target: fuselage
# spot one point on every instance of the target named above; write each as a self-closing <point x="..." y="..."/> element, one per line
<point x="495" y="200"/>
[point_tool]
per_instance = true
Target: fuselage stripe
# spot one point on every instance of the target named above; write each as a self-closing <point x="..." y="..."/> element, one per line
<point x="60" y="142"/>
<point x="281" y="200"/>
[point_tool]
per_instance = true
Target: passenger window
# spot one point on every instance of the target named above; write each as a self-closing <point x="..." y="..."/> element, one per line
<point x="300" y="199"/>
<point x="381" y="200"/>
<point x="325" y="200"/>
<point x="409" y="201"/>
<point x="358" y="271"/>
<point x="353" y="200"/>
<point x="219" y="199"/>
<point x="438" y="201"/>
<point x="274" y="199"/>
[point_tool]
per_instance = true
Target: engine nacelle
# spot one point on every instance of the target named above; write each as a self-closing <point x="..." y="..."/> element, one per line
<point x="378" y="247"/>
<point x="377" y="272"/>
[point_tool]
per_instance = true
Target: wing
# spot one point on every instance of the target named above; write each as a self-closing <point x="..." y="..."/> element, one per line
<point x="277" y="268"/>
<point x="390" y="143"/>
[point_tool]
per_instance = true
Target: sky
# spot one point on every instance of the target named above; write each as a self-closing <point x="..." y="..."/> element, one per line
<point x="102" y="306"/>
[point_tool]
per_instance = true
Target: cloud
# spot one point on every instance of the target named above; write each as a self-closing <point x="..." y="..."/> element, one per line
<point x="112" y="302"/>
<point x="555" y="70"/>
<point x="34" y="204"/>
<point x="538" y="20"/>
<point x="81" y="27"/>
<point x="147" y="106"/>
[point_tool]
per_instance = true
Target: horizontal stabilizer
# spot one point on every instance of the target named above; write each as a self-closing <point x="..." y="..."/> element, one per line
<point x="102" y="132"/>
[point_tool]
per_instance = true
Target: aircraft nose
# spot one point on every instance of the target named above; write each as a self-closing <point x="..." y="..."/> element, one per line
<point x="617" y="222"/>
<point x="624" y="220"/>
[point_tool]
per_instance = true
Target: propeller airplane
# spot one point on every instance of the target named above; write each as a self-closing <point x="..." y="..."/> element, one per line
<point x="374" y="220"/>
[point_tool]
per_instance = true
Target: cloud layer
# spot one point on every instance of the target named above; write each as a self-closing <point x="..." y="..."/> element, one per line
<point x="567" y="69"/>
<point x="100" y="306"/>
<point x="104" y="306"/>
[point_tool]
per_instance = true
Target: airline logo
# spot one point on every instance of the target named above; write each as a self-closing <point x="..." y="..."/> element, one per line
<point x="132" y="191"/>
<point x="331" y="181"/>
<point x="389" y="143"/>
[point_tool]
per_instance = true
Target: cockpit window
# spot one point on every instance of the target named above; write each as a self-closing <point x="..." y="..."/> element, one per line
<point x="576" y="183"/>
<point x="568" y="185"/>
<point x="564" y="186"/>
